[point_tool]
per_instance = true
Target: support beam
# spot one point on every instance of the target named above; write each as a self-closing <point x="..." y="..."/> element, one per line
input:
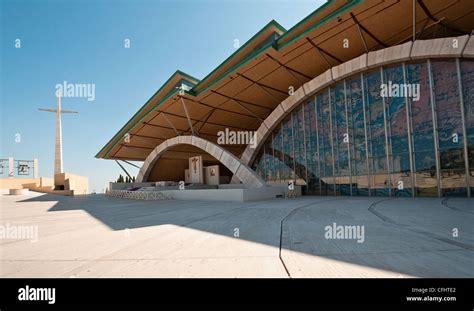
<point x="212" y="123"/>
<point x="240" y="104"/>
<point x="219" y="107"/>
<point x="320" y="52"/>
<point x="362" y="39"/>
<point x="367" y="31"/>
<point x="201" y="133"/>
<point x="414" y="20"/>
<point x="323" y="52"/>
<point x="444" y="24"/>
<point x="123" y="168"/>
<point x="289" y="69"/>
<point x="148" y="136"/>
<point x="156" y="125"/>
<point x="169" y="122"/>
<point x="419" y="32"/>
<point x="241" y="101"/>
<point x="128" y="158"/>
<point x="142" y="141"/>
<point x="187" y="116"/>
<point x="205" y="119"/>
<point x="136" y="147"/>
<point x="148" y="148"/>
<point x="129" y="163"/>
<point x="263" y="87"/>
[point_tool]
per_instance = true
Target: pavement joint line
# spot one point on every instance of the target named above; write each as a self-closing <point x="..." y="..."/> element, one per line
<point x="444" y="203"/>
<point x="287" y="213"/>
<point x="378" y="214"/>
<point x="281" y="228"/>
<point x="419" y="231"/>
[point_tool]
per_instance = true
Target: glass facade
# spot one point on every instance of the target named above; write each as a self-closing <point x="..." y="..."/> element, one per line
<point x="353" y="139"/>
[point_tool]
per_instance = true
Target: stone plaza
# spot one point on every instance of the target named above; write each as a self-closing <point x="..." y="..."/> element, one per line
<point x="99" y="236"/>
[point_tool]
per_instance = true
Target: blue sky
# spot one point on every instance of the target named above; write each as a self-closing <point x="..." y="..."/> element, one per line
<point x="82" y="41"/>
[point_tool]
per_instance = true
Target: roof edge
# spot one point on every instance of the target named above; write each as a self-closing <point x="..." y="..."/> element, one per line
<point x="284" y="33"/>
<point x="177" y="73"/>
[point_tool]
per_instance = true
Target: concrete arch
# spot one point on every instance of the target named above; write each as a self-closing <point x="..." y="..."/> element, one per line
<point x="419" y="49"/>
<point x="240" y="170"/>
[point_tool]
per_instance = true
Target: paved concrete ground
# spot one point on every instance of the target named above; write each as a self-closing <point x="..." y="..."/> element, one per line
<point x="96" y="236"/>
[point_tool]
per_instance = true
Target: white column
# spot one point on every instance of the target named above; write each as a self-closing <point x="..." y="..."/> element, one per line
<point x="10" y="167"/>
<point x="58" y="149"/>
<point x="435" y="129"/>
<point x="35" y="168"/>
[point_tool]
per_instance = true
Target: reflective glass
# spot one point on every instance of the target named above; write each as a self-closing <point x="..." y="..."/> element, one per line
<point x="299" y="146"/>
<point x="422" y="123"/>
<point x="450" y="128"/>
<point x="349" y="141"/>
<point x="378" y="170"/>
<point x="397" y="129"/>
<point x="467" y="74"/>
<point x="357" y="141"/>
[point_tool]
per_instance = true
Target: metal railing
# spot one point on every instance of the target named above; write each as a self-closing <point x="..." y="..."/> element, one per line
<point x="139" y="195"/>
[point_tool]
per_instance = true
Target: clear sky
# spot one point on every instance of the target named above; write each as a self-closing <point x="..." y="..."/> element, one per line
<point x="82" y="41"/>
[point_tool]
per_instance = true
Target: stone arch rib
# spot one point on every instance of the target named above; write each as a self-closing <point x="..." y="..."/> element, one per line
<point x="240" y="170"/>
<point x="409" y="51"/>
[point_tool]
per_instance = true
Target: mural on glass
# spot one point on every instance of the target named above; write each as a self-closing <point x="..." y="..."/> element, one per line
<point x="467" y="74"/>
<point x="398" y="136"/>
<point x="450" y="128"/>
<point x="349" y="139"/>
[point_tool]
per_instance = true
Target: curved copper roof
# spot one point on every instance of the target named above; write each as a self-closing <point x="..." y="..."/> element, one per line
<point x="241" y="92"/>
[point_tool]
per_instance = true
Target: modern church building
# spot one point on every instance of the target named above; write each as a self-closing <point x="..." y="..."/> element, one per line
<point x="362" y="97"/>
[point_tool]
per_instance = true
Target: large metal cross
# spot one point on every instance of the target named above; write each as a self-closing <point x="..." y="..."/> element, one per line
<point x="58" y="148"/>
